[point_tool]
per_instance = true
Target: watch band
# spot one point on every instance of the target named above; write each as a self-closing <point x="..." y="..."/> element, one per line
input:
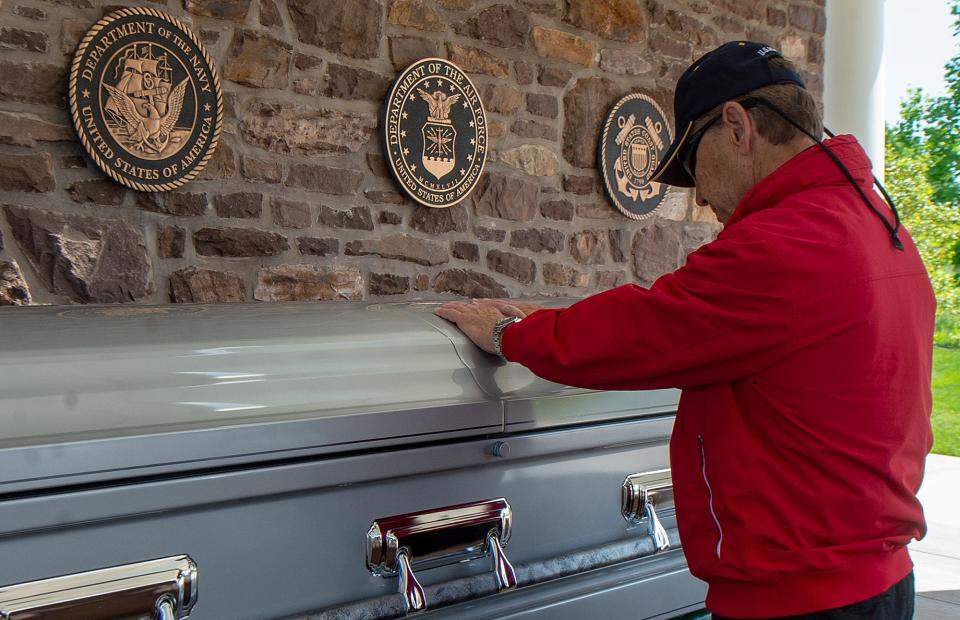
<point x="498" y="330"/>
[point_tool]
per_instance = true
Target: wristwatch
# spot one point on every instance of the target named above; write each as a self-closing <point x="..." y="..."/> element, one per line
<point x="498" y="330"/>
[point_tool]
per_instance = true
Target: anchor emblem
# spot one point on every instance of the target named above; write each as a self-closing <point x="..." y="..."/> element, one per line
<point x="632" y="146"/>
<point x="635" y="156"/>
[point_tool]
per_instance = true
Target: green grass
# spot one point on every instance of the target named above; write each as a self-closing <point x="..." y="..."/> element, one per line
<point x="946" y="401"/>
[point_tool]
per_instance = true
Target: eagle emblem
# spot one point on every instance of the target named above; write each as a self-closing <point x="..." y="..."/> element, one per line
<point x="435" y="132"/>
<point x="147" y="132"/>
<point x="145" y="99"/>
<point x="439" y="104"/>
<point x="143" y="106"/>
<point x="439" y="135"/>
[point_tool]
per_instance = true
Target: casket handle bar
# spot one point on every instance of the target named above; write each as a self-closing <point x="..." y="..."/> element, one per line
<point x="641" y="496"/>
<point x="420" y="540"/>
<point x="163" y="589"/>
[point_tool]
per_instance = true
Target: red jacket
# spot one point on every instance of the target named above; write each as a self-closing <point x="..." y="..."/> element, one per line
<point x="802" y="341"/>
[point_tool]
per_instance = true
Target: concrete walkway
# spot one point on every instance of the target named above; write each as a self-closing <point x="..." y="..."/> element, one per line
<point x="937" y="556"/>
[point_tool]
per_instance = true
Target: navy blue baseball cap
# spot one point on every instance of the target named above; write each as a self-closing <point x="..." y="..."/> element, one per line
<point x="733" y="69"/>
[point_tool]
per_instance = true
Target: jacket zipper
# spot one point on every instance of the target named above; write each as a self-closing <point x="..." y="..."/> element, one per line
<point x="703" y="465"/>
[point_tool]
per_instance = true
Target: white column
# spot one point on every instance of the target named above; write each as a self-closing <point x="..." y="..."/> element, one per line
<point x="853" y="74"/>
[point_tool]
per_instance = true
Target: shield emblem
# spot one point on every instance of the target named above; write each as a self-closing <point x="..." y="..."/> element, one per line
<point x="438" y="142"/>
<point x="639" y="156"/>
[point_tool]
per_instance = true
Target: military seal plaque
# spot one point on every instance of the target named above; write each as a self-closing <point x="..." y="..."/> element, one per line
<point x="435" y="133"/>
<point x="145" y="99"/>
<point x="635" y="137"/>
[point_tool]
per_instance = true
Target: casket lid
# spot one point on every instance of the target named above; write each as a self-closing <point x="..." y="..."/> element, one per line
<point x="105" y="392"/>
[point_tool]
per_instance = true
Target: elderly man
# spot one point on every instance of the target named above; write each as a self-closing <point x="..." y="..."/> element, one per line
<point x="801" y="338"/>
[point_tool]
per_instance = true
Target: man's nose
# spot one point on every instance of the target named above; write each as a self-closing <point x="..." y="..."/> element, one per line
<point x="701" y="201"/>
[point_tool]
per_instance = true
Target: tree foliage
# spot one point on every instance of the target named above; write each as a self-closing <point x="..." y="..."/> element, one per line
<point x="923" y="174"/>
<point x="933" y="124"/>
<point x="935" y="228"/>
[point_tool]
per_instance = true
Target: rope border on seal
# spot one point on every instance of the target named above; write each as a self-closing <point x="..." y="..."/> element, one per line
<point x="75" y="113"/>
<point x="603" y="154"/>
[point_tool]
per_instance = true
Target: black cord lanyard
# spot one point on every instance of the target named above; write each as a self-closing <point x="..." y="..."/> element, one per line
<point x="892" y="229"/>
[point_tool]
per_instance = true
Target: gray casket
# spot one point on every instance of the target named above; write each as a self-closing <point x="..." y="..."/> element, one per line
<point x="321" y="461"/>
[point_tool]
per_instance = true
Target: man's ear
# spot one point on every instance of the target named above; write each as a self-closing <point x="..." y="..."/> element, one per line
<point x="740" y="123"/>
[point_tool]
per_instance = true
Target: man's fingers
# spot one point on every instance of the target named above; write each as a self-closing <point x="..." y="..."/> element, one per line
<point x="455" y="311"/>
<point x="454" y="306"/>
<point x="448" y="313"/>
<point x="470" y="316"/>
<point x="474" y="319"/>
<point x="519" y="310"/>
<point x="495" y="303"/>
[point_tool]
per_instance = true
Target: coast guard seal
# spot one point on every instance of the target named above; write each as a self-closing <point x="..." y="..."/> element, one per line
<point x="145" y="99"/>
<point x="635" y="137"/>
<point x="435" y="133"/>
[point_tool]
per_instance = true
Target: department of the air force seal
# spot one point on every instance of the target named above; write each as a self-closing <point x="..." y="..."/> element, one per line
<point x="145" y="99"/>
<point x="635" y="137"/>
<point x="435" y="132"/>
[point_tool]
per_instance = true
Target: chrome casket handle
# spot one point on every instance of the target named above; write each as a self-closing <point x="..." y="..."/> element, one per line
<point x="641" y="496"/>
<point x="163" y="589"/>
<point x="420" y="540"/>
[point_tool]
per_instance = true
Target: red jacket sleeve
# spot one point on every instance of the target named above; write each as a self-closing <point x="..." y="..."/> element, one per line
<point x="725" y="315"/>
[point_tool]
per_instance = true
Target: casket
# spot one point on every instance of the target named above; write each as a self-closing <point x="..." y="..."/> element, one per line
<point x="342" y="460"/>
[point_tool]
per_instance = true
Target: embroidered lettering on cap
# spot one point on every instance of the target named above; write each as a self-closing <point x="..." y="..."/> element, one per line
<point x="766" y="50"/>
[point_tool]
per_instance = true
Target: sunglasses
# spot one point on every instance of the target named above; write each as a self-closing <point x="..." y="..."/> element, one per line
<point x="689" y="157"/>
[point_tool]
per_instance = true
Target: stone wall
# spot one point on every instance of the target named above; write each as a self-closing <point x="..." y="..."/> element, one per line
<point x="297" y="203"/>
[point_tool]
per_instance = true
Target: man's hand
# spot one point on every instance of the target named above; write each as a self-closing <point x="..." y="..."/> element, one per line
<point x="511" y="308"/>
<point x="474" y="319"/>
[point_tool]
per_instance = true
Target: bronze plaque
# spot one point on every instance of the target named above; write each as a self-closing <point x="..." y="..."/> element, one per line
<point x="435" y="133"/>
<point x="635" y="137"/>
<point x="145" y="99"/>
